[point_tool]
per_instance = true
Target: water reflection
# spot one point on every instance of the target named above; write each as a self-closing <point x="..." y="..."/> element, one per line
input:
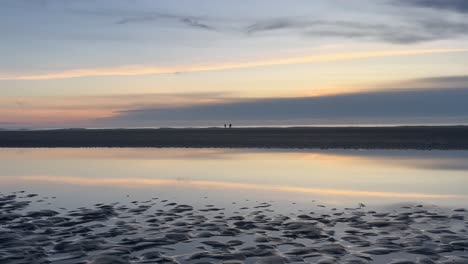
<point x="443" y="160"/>
<point x="141" y="182"/>
<point x="334" y="176"/>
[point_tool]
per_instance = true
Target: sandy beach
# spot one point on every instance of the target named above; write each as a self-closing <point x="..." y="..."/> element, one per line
<point x="159" y="230"/>
<point x="422" y="138"/>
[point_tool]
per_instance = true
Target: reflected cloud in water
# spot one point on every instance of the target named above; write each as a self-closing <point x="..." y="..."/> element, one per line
<point x="439" y="160"/>
<point x="368" y="175"/>
<point x="145" y="183"/>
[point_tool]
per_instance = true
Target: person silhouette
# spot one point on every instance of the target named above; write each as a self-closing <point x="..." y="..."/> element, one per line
<point x="224" y="125"/>
<point x="230" y="125"/>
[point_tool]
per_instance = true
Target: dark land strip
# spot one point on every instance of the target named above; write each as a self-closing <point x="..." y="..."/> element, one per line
<point x="405" y="137"/>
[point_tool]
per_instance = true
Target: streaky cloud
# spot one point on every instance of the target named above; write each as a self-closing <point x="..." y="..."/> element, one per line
<point x="402" y="105"/>
<point x="196" y="23"/>
<point x="416" y="31"/>
<point x="134" y="70"/>
<point x="401" y="29"/>
<point x="190" y="21"/>
<point x="8" y="123"/>
<point x="452" y="5"/>
<point x="445" y="79"/>
<point x="433" y="82"/>
<point x="277" y="24"/>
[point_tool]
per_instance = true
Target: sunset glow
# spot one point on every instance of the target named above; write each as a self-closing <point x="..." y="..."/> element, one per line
<point x="149" y="63"/>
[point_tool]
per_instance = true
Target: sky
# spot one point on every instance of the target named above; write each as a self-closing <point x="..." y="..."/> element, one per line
<point x="156" y="63"/>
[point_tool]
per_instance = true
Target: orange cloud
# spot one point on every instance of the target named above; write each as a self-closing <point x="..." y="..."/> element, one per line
<point x="59" y="109"/>
<point x="52" y="115"/>
<point x="132" y="70"/>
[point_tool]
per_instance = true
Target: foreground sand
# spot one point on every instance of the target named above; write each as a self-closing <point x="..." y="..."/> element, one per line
<point x="424" y="138"/>
<point x="162" y="231"/>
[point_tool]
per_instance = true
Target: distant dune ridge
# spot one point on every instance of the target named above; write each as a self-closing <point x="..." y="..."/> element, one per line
<point x="404" y="137"/>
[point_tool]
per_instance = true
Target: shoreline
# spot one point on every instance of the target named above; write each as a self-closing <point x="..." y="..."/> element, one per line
<point x="401" y="137"/>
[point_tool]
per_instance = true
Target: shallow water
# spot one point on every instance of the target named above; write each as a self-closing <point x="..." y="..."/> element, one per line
<point x="66" y="206"/>
<point x="339" y="178"/>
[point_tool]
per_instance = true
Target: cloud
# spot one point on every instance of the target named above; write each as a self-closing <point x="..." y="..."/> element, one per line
<point x="133" y="70"/>
<point x="196" y="23"/>
<point x="428" y="100"/>
<point x="122" y="16"/>
<point x="396" y="29"/>
<point x="190" y="21"/>
<point x="446" y="79"/>
<point x="452" y="5"/>
<point x="403" y="29"/>
<point x="415" y="31"/>
<point x="74" y="110"/>
<point x="278" y="24"/>
<point x="8" y="123"/>
<point x="433" y="83"/>
<point x="400" y="106"/>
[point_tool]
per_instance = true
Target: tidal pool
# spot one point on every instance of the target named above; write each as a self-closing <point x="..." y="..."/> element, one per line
<point x="232" y="206"/>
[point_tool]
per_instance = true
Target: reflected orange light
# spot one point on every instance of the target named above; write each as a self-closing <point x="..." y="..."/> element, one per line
<point x="170" y="154"/>
<point x="146" y="182"/>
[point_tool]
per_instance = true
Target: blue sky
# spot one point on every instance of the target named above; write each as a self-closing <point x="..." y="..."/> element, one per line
<point x="90" y="63"/>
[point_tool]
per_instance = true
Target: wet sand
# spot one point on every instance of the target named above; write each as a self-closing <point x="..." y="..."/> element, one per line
<point x="420" y="138"/>
<point x="159" y="230"/>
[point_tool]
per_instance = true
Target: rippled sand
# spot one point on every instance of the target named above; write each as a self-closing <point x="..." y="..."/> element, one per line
<point x="162" y="231"/>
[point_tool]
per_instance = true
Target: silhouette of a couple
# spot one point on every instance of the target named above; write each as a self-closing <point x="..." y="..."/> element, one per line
<point x="230" y="125"/>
